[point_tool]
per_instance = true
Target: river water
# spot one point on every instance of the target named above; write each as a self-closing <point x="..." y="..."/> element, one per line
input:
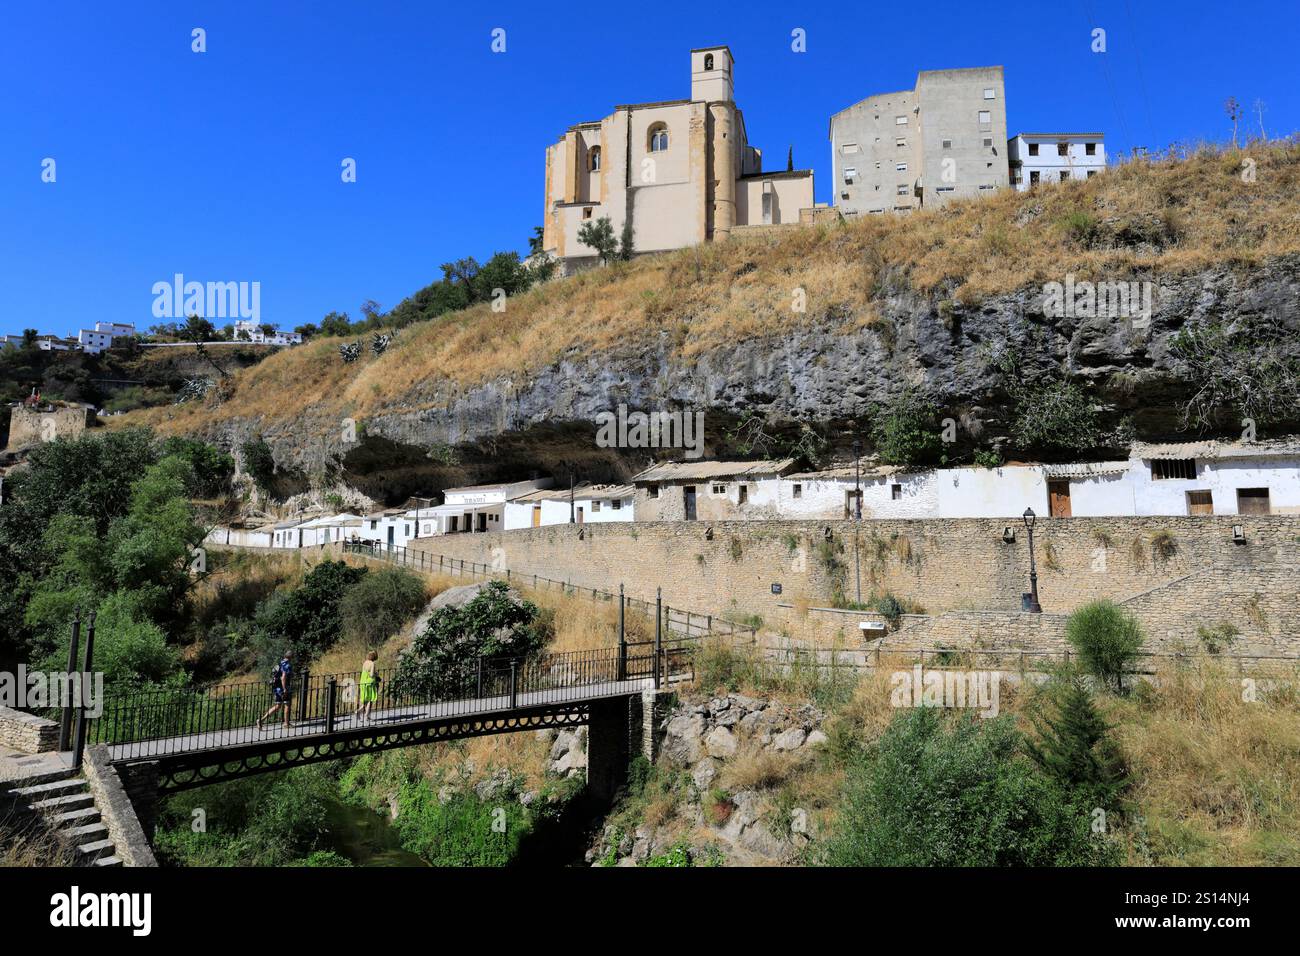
<point x="366" y="837"/>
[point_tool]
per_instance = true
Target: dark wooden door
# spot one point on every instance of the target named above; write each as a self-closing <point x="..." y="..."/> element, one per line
<point x="1252" y="501"/>
<point x="1058" y="499"/>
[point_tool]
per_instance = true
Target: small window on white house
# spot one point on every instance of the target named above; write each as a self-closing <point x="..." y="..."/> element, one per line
<point x="1033" y="149"/>
<point x="900" y="141"/>
<point x="586" y="212"/>
<point x="844" y="194"/>
<point x="1090" y="149"/>
<point x="985" y="117"/>
<point x="595" y="506"/>
<point x="988" y="93"/>
<point x="900" y="120"/>
<point x="719" y="489"/>
<point x="652" y="491"/>
<point x="947" y="144"/>
<point x="849" y="173"/>
<point x="617" y="504"/>
<point x="1167" y="468"/>
<point x="797" y="491"/>
<point x="896" y="492"/>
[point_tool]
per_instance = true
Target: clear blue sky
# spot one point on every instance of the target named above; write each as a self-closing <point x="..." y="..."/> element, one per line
<point x="225" y="165"/>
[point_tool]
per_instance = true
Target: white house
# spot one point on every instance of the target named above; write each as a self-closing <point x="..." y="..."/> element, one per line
<point x="250" y="330"/>
<point x="477" y="508"/>
<point x="94" y="342"/>
<point x="589" y="503"/>
<point x="710" y="490"/>
<point x="1054" y="157"/>
<point x="389" y="528"/>
<point x="262" y="536"/>
<point x="1185" y="478"/>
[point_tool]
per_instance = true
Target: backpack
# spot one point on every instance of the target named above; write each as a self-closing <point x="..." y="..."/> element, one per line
<point x="275" y="677"/>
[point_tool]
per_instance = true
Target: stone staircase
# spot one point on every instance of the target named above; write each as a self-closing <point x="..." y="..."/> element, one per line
<point x="63" y="799"/>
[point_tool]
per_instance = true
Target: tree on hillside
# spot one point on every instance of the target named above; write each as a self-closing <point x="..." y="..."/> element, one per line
<point x="908" y="432"/>
<point x="1107" y="638"/>
<point x="197" y="329"/>
<point x="535" y="240"/>
<point x="335" y="324"/>
<point x="1074" y="746"/>
<point x="598" y="234"/>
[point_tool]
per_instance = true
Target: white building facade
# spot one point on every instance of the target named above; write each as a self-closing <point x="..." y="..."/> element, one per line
<point x="1054" y="157"/>
<point x="586" y="504"/>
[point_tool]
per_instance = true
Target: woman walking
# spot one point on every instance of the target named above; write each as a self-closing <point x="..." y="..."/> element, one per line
<point x="369" y="686"/>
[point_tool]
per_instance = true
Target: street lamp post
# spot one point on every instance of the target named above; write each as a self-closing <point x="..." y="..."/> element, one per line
<point x="1034" y="606"/>
<point x="857" y="515"/>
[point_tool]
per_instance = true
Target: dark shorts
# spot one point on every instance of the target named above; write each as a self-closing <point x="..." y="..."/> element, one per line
<point x="281" y="695"/>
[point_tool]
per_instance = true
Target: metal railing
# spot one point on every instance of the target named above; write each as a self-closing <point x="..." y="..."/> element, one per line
<point x="676" y="620"/>
<point x="183" y="720"/>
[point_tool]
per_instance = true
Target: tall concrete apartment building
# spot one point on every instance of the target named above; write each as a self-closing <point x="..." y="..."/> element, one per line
<point x="945" y="139"/>
<point x="681" y="172"/>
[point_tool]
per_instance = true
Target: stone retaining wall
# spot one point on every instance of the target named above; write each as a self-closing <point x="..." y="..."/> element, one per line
<point x="117" y="808"/>
<point x="27" y="733"/>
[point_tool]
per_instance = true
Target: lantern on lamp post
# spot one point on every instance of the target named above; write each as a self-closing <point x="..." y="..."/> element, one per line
<point x="1034" y="606"/>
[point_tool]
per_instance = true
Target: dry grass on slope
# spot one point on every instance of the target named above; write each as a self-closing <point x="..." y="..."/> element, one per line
<point x="1168" y="217"/>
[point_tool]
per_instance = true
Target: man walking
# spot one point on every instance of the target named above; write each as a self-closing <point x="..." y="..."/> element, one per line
<point x="280" y="677"/>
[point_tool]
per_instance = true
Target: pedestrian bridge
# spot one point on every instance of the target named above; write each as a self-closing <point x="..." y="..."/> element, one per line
<point x="175" y="739"/>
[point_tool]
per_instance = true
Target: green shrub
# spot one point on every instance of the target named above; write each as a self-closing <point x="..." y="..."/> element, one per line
<point x="935" y="791"/>
<point x="1107" y="638"/>
<point x="494" y="624"/>
<point x="258" y="461"/>
<point x="464" y="831"/>
<point x="306" y="619"/>
<point x="379" y="604"/>
<point x="1214" y="638"/>
<point x="908" y="433"/>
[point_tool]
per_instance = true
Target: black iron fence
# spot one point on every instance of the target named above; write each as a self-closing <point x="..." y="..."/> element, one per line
<point x="674" y="619"/>
<point x="182" y="720"/>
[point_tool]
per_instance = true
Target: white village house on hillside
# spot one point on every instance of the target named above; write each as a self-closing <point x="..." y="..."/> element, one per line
<point x="582" y="504"/>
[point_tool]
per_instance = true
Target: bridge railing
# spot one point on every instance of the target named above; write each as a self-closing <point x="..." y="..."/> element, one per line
<point x="158" y="722"/>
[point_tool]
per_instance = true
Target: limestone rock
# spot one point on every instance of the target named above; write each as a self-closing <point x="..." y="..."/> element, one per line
<point x="720" y="743"/>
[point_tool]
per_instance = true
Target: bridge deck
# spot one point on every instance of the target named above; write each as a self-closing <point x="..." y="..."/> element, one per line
<point x="386" y="720"/>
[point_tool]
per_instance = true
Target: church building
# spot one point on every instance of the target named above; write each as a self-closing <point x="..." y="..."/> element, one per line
<point x="681" y="172"/>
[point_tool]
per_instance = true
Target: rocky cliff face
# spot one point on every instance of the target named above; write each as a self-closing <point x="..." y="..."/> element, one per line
<point x="545" y="420"/>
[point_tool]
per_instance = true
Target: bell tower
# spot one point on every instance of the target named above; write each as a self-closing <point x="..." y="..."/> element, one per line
<point x="711" y="70"/>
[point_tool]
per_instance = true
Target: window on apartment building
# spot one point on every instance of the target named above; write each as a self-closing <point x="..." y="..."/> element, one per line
<point x="901" y="141"/>
<point x="796" y="491"/>
<point x="1166" y="468"/>
<point x="1033" y="177"/>
<point x="844" y="194"/>
<point x="849" y="173"/>
<point x="903" y="189"/>
<point x="1064" y="175"/>
<point x="593" y="158"/>
<point x="586" y="212"/>
<point x="1090" y="149"/>
<point x="900" y="167"/>
<point x="985" y="117"/>
<point x="947" y="144"/>
<point x="850" y="148"/>
<point x="988" y="143"/>
<point x="658" y="138"/>
<point x="1062" y="149"/>
<point x="987" y="186"/>
<point x="900" y="120"/>
<point x="652" y="491"/>
<point x="896" y="492"/>
<point x="988" y="93"/>
<point x="1033" y="149"/>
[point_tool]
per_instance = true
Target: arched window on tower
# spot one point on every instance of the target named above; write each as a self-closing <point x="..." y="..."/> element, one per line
<point x="708" y="61"/>
<point x="593" y="158"/>
<point x="658" y="138"/>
